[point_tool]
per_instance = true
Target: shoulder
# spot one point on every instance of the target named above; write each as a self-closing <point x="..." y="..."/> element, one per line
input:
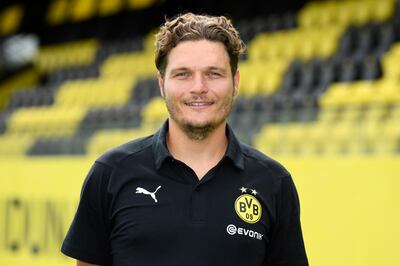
<point x="256" y="159"/>
<point x="118" y="154"/>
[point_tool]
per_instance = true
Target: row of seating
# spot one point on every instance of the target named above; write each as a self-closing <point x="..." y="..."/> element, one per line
<point x="337" y="131"/>
<point x="248" y="29"/>
<point x="107" y="91"/>
<point x="95" y="137"/>
<point x="362" y="93"/>
<point x="78" y="53"/>
<point x="314" y="76"/>
<point x="369" y="39"/>
<point x="110" y="118"/>
<point x="261" y="77"/>
<point x="27" y="78"/>
<point x="44" y="95"/>
<point x="45" y="121"/>
<point x="101" y="119"/>
<point x="64" y="11"/>
<point x="303" y="43"/>
<point x="345" y="12"/>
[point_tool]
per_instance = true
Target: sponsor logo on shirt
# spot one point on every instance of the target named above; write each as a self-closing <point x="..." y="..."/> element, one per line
<point x="247" y="207"/>
<point x="233" y="230"/>
<point x="140" y="190"/>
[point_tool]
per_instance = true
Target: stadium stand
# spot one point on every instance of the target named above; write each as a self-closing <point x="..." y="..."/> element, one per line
<point x="93" y="85"/>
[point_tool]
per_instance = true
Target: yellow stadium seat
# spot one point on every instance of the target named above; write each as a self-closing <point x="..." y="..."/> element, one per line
<point x="375" y="112"/>
<point x="95" y="92"/>
<point x="154" y="113"/>
<point x="389" y="141"/>
<point x="351" y="114"/>
<point x="82" y="9"/>
<point x="73" y="54"/>
<point x="354" y="13"/>
<point x="10" y="19"/>
<point x="303" y="43"/>
<point x="363" y="93"/>
<point x="45" y="121"/>
<point x="345" y="12"/>
<point x="296" y="138"/>
<point x="337" y="94"/>
<point x="261" y="77"/>
<point x="105" y="140"/>
<point x="136" y="64"/>
<point x="270" y="138"/>
<point x="140" y="4"/>
<point x="370" y="135"/>
<point x="110" y="7"/>
<point x="328" y="114"/>
<point x="25" y="79"/>
<point x="387" y="92"/>
<point x="382" y="10"/>
<point x="58" y="12"/>
<point x="390" y="65"/>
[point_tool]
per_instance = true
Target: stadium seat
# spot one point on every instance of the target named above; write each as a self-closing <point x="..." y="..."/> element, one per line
<point x="345" y="12"/>
<point x="82" y="9"/>
<point x="55" y="57"/>
<point x="110" y="7"/>
<point x="25" y="79"/>
<point x="57" y="12"/>
<point x="10" y="19"/>
<point x="45" y="121"/>
<point x="95" y="92"/>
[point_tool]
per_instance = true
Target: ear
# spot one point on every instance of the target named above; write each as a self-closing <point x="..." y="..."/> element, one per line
<point x="160" y="83"/>
<point x="236" y="79"/>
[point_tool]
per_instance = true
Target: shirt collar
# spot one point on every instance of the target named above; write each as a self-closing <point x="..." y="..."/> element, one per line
<point x="161" y="152"/>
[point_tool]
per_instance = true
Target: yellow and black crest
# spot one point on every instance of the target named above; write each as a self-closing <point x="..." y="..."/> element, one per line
<point x="248" y="208"/>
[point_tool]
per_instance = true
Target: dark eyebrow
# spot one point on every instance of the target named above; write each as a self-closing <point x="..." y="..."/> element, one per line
<point x="179" y="69"/>
<point x="223" y="70"/>
<point x="212" y="68"/>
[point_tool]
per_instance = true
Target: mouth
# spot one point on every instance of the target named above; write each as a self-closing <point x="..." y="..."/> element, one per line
<point x="199" y="104"/>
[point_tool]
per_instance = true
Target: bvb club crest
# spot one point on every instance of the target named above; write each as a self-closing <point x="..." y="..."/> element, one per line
<point x="247" y="207"/>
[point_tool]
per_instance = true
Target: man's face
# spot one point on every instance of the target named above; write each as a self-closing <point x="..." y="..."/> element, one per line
<point x="198" y="86"/>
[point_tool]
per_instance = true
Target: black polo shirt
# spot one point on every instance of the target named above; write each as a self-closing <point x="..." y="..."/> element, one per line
<point x="140" y="206"/>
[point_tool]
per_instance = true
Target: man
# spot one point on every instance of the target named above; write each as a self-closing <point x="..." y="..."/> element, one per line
<point x="190" y="194"/>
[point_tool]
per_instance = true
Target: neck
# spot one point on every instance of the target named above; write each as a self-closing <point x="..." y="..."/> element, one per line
<point x="199" y="154"/>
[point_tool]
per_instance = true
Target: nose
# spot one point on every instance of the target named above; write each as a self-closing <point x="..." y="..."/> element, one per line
<point x="199" y="85"/>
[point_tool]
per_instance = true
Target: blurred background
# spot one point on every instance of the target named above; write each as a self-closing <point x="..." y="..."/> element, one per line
<point x="319" y="92"/>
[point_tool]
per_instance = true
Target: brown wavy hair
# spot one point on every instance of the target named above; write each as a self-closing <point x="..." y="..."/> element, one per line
<point x="192" y="27"/>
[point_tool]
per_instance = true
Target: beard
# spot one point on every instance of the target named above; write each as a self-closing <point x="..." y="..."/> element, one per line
<point x="195" y="130"/>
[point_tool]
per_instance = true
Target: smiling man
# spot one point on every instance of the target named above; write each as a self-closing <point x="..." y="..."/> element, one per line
<point x="191" y="194"/>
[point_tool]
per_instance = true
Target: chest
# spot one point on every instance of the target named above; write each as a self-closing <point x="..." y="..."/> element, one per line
<point x="183" y="220"/>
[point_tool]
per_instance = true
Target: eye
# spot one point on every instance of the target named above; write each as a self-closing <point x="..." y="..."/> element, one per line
<point x="182" y="74"/>
<point x="214" y="74"/>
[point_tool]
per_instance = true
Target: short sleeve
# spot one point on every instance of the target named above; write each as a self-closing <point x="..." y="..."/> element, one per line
<point x="88" y="237"/>
<point x="287" y="246"/>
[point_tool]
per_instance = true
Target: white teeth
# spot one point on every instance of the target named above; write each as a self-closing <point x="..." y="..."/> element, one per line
<point x="198" y="104"/>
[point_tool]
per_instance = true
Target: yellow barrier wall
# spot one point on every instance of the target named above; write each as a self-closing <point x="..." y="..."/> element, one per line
<point x="350" y="208"/>
<point x="38" y="198"/>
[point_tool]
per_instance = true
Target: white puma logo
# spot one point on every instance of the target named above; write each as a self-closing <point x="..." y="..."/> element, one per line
<point x="144" y="191"/>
